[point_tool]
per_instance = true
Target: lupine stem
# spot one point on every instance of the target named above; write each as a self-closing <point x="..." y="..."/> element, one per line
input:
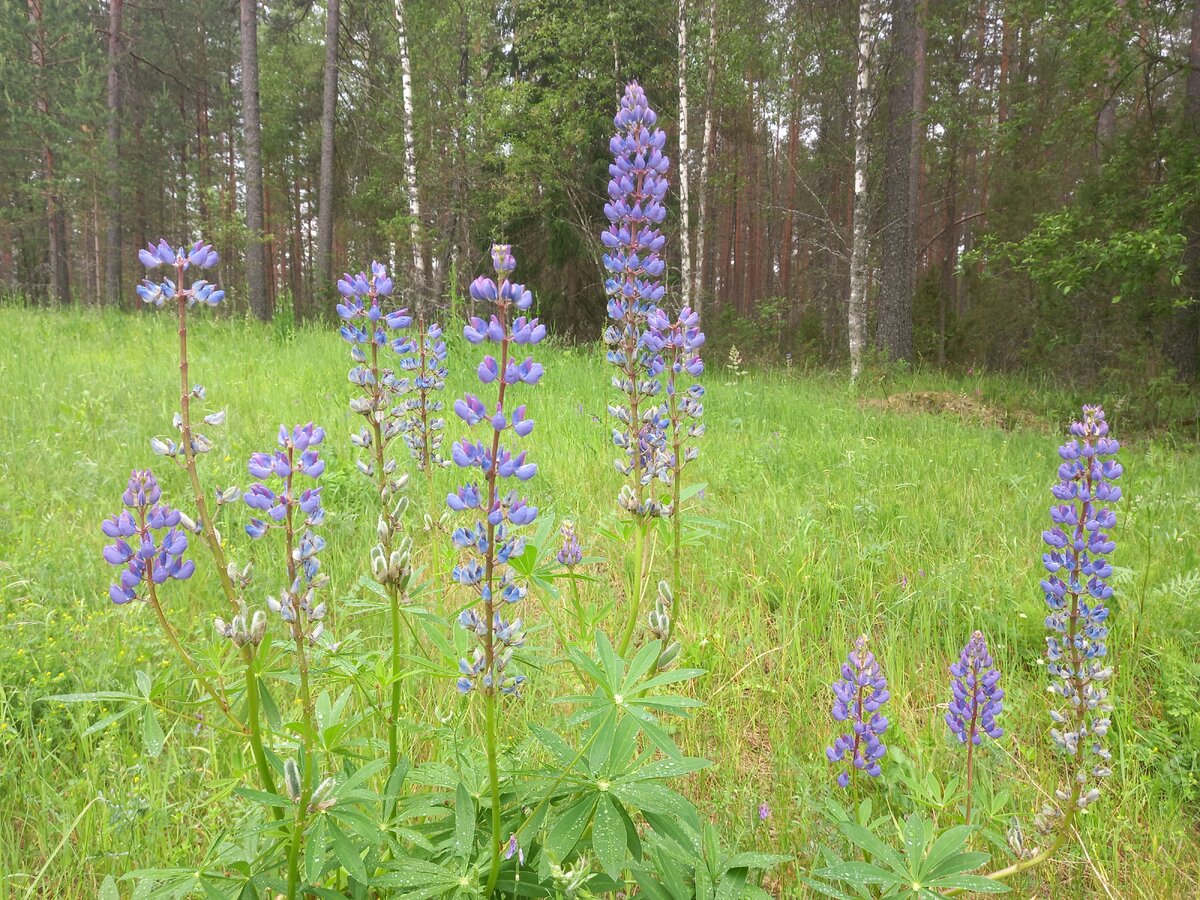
<point x="173" y="637"/>
<point x="489" y="648"/>
<point x="209" y="532"/>
<point x="299" y="636"/>
<point x="639" y="565"/>
<point x="579" y="617"/>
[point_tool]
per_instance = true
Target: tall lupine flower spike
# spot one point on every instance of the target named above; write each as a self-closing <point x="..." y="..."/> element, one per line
<point x="859" y="694"/>
<point x="682" y="408"/>
<point x="975" y="702"/>
<point x="190" y="445"/>
<point x="202" y="256"/>
<point x="636" y="189"/>
<point x="423" y="423"/>
<point x="1076" y="590"/>
<point x="490" y="541"/>
<point x="379" y="402"/>
<point x="149" y="539"/>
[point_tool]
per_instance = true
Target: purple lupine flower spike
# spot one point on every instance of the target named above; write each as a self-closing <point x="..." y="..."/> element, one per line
<point x="859" y="694"/>
<point x="636" y="191"/>
<point x="491" y="541"/>
<point x="1076" y="589"/>
<point x="975" y="694"/>
<point x="149" y="539"/>
<point x="424" y="359"/>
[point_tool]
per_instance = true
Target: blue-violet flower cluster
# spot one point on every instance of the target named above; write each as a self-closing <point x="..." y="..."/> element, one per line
<point x="288" y="507"/>
<point x="149" y="539"/>
<point x="679" y="342"/>
<point x="161" y="254"/>
<point x="858" y="696"/>
<point x="491" y="540"/>
<point x="636" y="190"/>
<point x="1076" y="590"/>
<point x="422" y="421"/>
<point x="975" y="694"/>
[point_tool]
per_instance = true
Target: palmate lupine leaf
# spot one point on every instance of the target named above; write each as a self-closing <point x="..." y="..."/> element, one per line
<point x="926" y="864"/>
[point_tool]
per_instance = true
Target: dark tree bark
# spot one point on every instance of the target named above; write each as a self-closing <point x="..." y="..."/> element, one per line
<point x="56" y="226"/>
<point x="256" y="276"/>
<point x="1183" y="335"/>
<point x="895" y="325"/>
<point x="112" y="243"/>
<point x="323" y="274"/>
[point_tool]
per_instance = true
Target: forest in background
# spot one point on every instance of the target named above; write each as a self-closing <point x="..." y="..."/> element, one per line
<point x="1029" y="191"/>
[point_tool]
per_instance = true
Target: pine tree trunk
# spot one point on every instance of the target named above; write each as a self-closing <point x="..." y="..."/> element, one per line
<point x="256" y="275"/>
<point x="857" y="318"/>
<point x="685" y="228"/>
<point x="410" y="152"/>
<point x="323" y="273"/>
<point x="895" y="325"/>
<point x="112" y="242"/>
<point x="59" y="276"/>
<point x="705" y="152"/>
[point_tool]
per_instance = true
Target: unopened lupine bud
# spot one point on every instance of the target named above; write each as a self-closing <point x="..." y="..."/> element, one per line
<point x="258" y="627"/>
<point x="669" y="656"/>
<point x="291" y="778"/>
<point x="322" y="797"/>
<point x="379" y="564"/>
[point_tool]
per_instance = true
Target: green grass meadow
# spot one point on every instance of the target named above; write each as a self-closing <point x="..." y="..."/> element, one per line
<point x="826" y="514"/>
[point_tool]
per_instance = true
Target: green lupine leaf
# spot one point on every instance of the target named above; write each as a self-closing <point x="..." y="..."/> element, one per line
<point x="609" y="837"/>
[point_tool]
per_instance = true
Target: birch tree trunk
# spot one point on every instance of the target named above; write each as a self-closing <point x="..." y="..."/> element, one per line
<point x="256" y="276"/>
<point x="685" y="227"/>
<point x="112" y="257"/>
<point x="410" y="153"/>
<point x="322" y="274"/>
<point x="705" y="150"/>
<point x="857" y="319"/>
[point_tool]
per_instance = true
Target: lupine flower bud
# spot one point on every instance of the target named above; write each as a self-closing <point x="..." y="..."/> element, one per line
<point x="291" y="779"/>
<point x="258" y="627"/>
<point x="571" y="553"/>
<point x="322" y="798"/>
<point x="858" y="695"/>
<point x="1076" y="590"/>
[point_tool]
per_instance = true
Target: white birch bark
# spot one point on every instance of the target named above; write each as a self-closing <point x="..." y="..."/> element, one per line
<point x="858" y="250"/>
<point x="410" y="155"/>
<point x="702" y="217"/>
<point x="685" y="226"/>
